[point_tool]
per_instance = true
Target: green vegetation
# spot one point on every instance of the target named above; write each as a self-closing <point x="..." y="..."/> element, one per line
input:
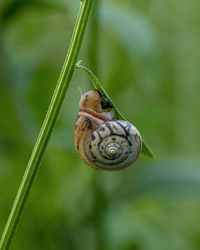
<point x="147" y="58"/>
<point x="48" y="124"/>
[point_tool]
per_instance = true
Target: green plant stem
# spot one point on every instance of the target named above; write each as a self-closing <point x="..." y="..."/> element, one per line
<point x="48" y="124"/>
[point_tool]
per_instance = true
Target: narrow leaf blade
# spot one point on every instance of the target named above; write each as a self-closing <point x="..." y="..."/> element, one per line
<point x="146" y="150"/>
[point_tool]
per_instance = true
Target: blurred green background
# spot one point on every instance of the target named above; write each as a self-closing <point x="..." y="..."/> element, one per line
<point x="146" y="52"/>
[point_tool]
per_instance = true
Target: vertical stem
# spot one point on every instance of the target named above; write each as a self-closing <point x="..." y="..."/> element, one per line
<point x="48" y="124"/>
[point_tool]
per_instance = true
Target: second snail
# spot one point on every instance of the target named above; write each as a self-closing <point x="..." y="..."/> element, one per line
<point x="102" y="142"/>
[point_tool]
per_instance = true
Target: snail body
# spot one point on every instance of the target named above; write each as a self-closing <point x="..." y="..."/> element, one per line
<point x="104" y="143"/>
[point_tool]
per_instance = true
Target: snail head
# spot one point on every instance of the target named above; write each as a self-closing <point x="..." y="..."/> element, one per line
<point x="91" y="99"/>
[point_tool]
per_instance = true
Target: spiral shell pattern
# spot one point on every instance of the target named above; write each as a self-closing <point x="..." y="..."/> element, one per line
<point x="114" y="145"/>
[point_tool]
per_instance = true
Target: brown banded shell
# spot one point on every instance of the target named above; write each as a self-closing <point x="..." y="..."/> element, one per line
<point x="103" y="143"/>
<point x="115" y="144"/>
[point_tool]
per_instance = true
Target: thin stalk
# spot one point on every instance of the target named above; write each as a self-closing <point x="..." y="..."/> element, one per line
<point x="48" y="124"/>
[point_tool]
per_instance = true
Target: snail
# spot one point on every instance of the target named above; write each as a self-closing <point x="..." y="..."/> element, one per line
<point x="101" y="142"/>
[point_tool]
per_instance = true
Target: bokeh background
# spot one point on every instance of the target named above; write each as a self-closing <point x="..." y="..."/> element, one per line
<point x="146" y="52"/>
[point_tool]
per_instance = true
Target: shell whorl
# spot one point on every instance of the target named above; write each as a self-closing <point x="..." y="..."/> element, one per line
<point x="101" y="142"/>
<point x="114" y="145"/>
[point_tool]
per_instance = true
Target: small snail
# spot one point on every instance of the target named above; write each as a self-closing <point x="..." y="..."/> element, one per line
<point x="104" y="143"/>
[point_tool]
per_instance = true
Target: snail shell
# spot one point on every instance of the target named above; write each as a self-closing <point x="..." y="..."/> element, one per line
<point x="101" y="142"/>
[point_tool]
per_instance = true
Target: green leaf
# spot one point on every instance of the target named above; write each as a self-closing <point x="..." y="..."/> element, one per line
<point x="106" y="99"/>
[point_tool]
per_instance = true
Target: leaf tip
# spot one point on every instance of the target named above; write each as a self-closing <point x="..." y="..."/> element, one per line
<point x="146" y="150"/>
